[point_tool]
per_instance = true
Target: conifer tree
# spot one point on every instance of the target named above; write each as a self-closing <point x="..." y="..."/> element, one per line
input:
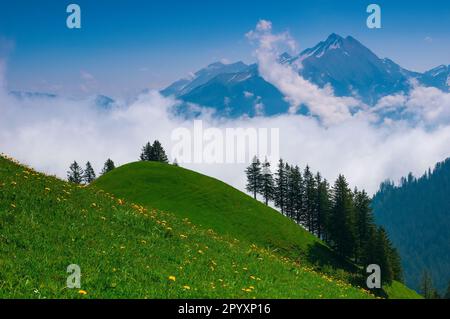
<point x="396" y="264"/>
<point x="146" y="154"/>
<point x="294" y="193"/>
<point x="89" y="174"/>
<point x="280" y="186"/>
<point x="382" y="255"/>
<point x="322" y="206"/>
<point x="157" y="153"/>
<point x="267" y="184"/>
<point x="108" y="166"/>
<point x="254" y="177"/>
<point x="75" y="173"/>
<point x="310" y="198"/>
<point x="341" y="219"/>
<point x="364" y="221"/>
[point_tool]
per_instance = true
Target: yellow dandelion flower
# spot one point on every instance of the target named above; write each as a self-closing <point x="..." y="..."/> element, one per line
<point x="47" y="189"/>
<point x="252" y="277"/>
<point x="172" y="278"/>
<point x="82" y="292"/>
<point x="186" y="287"/>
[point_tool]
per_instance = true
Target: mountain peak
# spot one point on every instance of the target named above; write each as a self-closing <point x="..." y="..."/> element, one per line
<point x="334" y="37"/>
<point x="334" y="41"/>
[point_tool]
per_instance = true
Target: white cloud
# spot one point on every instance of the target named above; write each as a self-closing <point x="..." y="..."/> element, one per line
<point x="427" y="106"/>
<point x="298" y="91"/>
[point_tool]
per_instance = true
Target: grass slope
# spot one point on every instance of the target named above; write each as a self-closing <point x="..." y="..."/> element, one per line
<point x="129" y="251"/>
<point x="212" y="204"/>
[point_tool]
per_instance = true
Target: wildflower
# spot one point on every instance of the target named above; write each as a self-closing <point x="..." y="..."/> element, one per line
<point x="13" y="205"/>
<point x="47" y="189"/>
<point x="183" y="236"/>
<point x="252" y="277"/>
<point x="172" y="278"/>
<point x="82" y="292"/>
<point x="186" y="287"/>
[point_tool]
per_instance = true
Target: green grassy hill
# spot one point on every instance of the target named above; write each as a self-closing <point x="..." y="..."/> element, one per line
<point x="129" y="250"/>
<point x="212" y="204"/>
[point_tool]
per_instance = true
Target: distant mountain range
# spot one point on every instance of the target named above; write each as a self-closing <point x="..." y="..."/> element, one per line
<point x="344" y="63"/>
<point x="101" y="101"/>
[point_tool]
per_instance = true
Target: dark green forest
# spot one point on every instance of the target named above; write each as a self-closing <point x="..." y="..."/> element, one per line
<point x="334" y="213"/>
<point x="416" y="214"/>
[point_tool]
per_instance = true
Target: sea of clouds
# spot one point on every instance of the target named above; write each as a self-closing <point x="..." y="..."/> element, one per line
<point x="342" y="135"/>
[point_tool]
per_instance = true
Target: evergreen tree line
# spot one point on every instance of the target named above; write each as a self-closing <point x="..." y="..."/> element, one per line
<point x="150" y="152"/>
<point x="153" y="152"/>
<point x="341" y="217"/>
<point x="416" y="213"/>
<point x="77" y="175"/>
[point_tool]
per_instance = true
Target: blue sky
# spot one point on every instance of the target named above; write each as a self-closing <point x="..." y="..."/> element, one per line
<point x="125" y="46"/>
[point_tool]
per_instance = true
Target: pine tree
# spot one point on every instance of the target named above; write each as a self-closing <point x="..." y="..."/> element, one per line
<point x="396" y="264"/>
<point x="290" y="191"/>
<point x="254" y="177"/>
<point x="426" y="285"/>
<point x="157" y="153"/>
<point x="322" y="206"/>
<point x="310" y="199"/>
<point x="75" y="173"/>
<point x="108" y="166"/>
<point x="267" y="184"/>
<point x="294" y="193"/>
<point x="341" y="233"/>
<point x="382" y="255"/>
<point x="89" y="174"/>
<point x="146" y="154"/>
<point x="364" y="222"/>
<point x="280" y="186"/>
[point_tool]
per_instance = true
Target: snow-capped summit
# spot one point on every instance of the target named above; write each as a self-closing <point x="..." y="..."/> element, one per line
<point x="344" y="63"/>
<point x="334" y="41"/>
